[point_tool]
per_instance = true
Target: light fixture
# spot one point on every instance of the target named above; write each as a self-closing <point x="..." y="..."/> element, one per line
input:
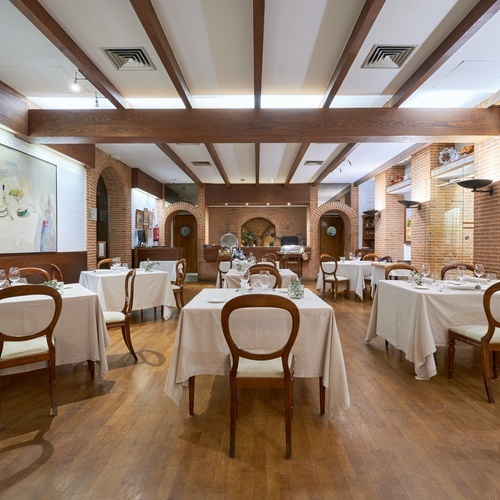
<point x="475" y="184"/>
<point x="410" y="203"/>
<point x="75" y="86"/>
<point x="96" y="101"/>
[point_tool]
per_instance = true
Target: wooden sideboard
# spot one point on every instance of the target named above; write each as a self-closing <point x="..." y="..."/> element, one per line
<point x="155" y="253"/>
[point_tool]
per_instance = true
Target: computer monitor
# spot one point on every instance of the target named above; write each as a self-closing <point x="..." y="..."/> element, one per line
<point x="141" y="236"/>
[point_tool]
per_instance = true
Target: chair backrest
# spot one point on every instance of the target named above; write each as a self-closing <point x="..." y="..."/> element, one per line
<point x="399" y="266"/>
<point x="30" y="290"/>
<point x="36" y="273"/>
<point x="261" y="300"/>
<point x="450" y="267"/>
<point x="492" y="321"/>
<point x="270" y="257"/>
<point x="360" y="251"/>
<point x="56" y="273"/>
<point x="104" y="261"/>
<point x="257" y="268"/>
<point x="386" y="258"/>
<point x="180" y="269"/>
<point x="129" y="292"/>
<point x="324" y="258"/>
<point x="371" y="256"/>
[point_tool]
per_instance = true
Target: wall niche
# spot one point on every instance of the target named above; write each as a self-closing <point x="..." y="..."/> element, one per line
<point x="258" y="231"/>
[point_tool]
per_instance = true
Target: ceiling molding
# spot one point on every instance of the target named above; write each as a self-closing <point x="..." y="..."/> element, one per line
<point x="176" y="159"/>
<point x="47" y="25"/>
<point x="341" y="125"/>
<point x="296" y="162"/>
<point x="479" y="15"/>
<point x="151" y="24"/>
<point x="259" y="7"/>
<point x="335" y="163"/>
<point x="218" y="164"/>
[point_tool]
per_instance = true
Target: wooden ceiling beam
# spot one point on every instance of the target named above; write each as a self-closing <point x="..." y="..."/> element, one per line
<point x="259" y="7"/>
<point x="151" y="24"/>
<point x="479" y="15"/>
<point x="348" y="148"/>
<point x="177" y="160"/>
<point x="13" y="110"/>
<point x="296" y="162"/>
<point x="341" y="125"/>
<point x="364" y="24"/>
<point x="46" y="24"/>
<point x="218" y="164"/>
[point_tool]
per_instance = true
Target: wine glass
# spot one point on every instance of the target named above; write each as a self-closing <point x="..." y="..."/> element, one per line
<point x="425" y="269"/>
<point x="265" y="279"/>
<point x="351" y="256"/>
<point x="3" y="278"/>
<point x="491" y="277"/>
<point x="14" y="275"/>
<point x="478" y="270"/>
<point x="244" y="280"/>
<point x="461" y="273"/>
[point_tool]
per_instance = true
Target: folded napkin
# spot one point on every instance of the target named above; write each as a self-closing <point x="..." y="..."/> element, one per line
<point x="427" y="280"/>
<point x="474" y="279"/>
<point x="465" y="286"/>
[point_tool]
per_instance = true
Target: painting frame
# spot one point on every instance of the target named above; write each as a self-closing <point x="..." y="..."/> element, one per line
<point x="28" y="203"/>
<point x="139" y="219"/>
<point x="407" y="226"/>
<point x="145" y="217"/>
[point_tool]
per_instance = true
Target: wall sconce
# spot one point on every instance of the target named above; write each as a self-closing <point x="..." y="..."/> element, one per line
<point x="287" y="225"/>
<point x="227" y="225"/>
<point x="75" y="86"/>
<point x="475" y="184"/>
<point x="410" y="203"/>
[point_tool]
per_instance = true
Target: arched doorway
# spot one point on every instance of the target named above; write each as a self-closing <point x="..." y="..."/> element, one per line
<point x="184" y="231"/>
<point x="331" y="234"/>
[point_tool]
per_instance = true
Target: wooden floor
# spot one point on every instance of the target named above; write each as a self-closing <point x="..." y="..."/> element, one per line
<point x="122" y="438"/>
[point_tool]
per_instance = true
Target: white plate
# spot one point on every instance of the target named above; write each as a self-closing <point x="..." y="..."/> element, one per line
<point x="421" y="287"/>
<point x="216" y="300"/>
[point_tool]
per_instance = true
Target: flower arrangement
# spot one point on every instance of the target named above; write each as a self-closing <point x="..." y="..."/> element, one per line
<point x="248" y="237"/>
<point x="416" y="278"/>
<point x="52" y="284"/>
<point x="233" y="252"/>
<point x="295" y="289"/>
<point x="149" y="264"/>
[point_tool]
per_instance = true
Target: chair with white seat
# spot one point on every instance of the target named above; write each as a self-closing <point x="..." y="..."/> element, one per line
<point x="262" y="368"/>
<point x="485" y="336"/>
<point x="276" y="280"/>
<point x="453" y="267"/>
<point x="34" y="275"/>
<point x="224" y="263"/>
<point x="403" y="271"/>
<point x="32" y="347"/>
<point x="373" y="257"/>
<point x="178" y="284"/>
<point x="330" y="277"/>
<point x="122" y="318"/>
<point x="104" y="262"/>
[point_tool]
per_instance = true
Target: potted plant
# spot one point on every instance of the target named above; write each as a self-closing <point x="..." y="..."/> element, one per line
<point x="248" y="237"/>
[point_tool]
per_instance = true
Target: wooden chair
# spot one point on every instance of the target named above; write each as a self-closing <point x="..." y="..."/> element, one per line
<point x="56" y="273"/>
<point x="257" y="268"/>
<point x="361" y="251"/>
<point x="368" y="279"/>
<point x="261" y="370"/>
<point x="454" y="266"/>
<point x="330" y="277"/>
<point x="270" y="257"/>
<point x="35" y="346"/>
<point x="104" y="261"/>
<point x="178" y="285"/>
<point x="486" y="337"/>
<point x="122" y="318"/>
<point x="386" y="258"/>
<point x="371" y="257"/>
<point x="399" y="266"/>
<point x="34" y="273"/>
<point x="222" y="268"/>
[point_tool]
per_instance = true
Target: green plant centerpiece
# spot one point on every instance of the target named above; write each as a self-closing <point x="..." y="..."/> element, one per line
<point x="248" y="237"/>
<point x="149" y="264"/>
<point x="295" y="289"/>
<point x="416" y="279"/>
<point x="56" y="285"/>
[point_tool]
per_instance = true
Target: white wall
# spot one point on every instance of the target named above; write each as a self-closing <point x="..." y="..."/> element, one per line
<point x="366" y="194"/>
<point x="139" y="201"/>
<point x="71" y="202"/>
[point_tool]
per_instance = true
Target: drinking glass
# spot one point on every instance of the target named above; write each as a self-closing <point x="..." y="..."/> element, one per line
<point x="425" y="269"/>
<point x="461" y="270"/>
<point x="3" y="278"/>
<point x="478" y="270"/>
<point x="265" y="279"/>
<point x="491" y="277"/>
<point x="351" y="256"/>
<point x="244" y="281"/>
<point x="14" y="275"/>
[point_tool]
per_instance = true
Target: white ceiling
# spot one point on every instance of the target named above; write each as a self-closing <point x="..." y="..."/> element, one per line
<point x="213" y="43"/>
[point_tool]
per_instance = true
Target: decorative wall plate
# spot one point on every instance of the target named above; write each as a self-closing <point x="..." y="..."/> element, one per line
<point x="331" y="231"/>
<point x="228" y="240"/>
<point x="185" y="231"/>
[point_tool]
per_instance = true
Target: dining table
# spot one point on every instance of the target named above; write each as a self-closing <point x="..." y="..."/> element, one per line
<point x="356" y="271"/>
<point x="233" y="278"/>
<point x="201" y="349"/>
<point x="378" y="273"/>
<point x="80" y="334"/>
<point x="152" y="289"/>
<point x="415" y="319"/>
<point x="169" y="266"/>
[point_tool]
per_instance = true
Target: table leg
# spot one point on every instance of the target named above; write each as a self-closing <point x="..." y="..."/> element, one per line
<point x="191" y="395"/>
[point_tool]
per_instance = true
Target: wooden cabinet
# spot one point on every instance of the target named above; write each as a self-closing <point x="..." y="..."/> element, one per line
<point x="368" y="232"/>
<point x="155" y="253"/>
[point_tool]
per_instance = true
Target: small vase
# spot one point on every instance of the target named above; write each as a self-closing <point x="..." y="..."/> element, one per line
<point x="296" y="291"/>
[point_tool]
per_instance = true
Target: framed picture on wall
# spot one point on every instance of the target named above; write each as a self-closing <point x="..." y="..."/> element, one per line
<point x="407" y="227"/>
<point x="139" y="219"/>
<point x="151" y="216"/>
<point x="101" y="249"/>
<point x="146" y="217"/>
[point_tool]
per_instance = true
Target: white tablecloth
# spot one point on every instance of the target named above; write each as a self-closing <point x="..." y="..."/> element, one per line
<point x="378" y="274"/>
<point x="417" y="320"/>
<point x="200" y="347"/>
<point x="79" y="335"/>
<point x="233" y="278"/>
<point x="355" y="271"/>
<point x="164" y="265"/>
<point x="152" y="289"/>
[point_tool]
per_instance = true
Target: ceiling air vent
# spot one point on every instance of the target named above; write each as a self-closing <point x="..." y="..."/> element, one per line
<point x="129" y="59"/>
<point x="201" y="163"/>
<point x="313" y="162"/>
<point x="388" y="56"/>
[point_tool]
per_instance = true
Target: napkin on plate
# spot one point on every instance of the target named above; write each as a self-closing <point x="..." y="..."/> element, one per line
<point x="474" y="279"/>
<point x="465" y="286"/>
